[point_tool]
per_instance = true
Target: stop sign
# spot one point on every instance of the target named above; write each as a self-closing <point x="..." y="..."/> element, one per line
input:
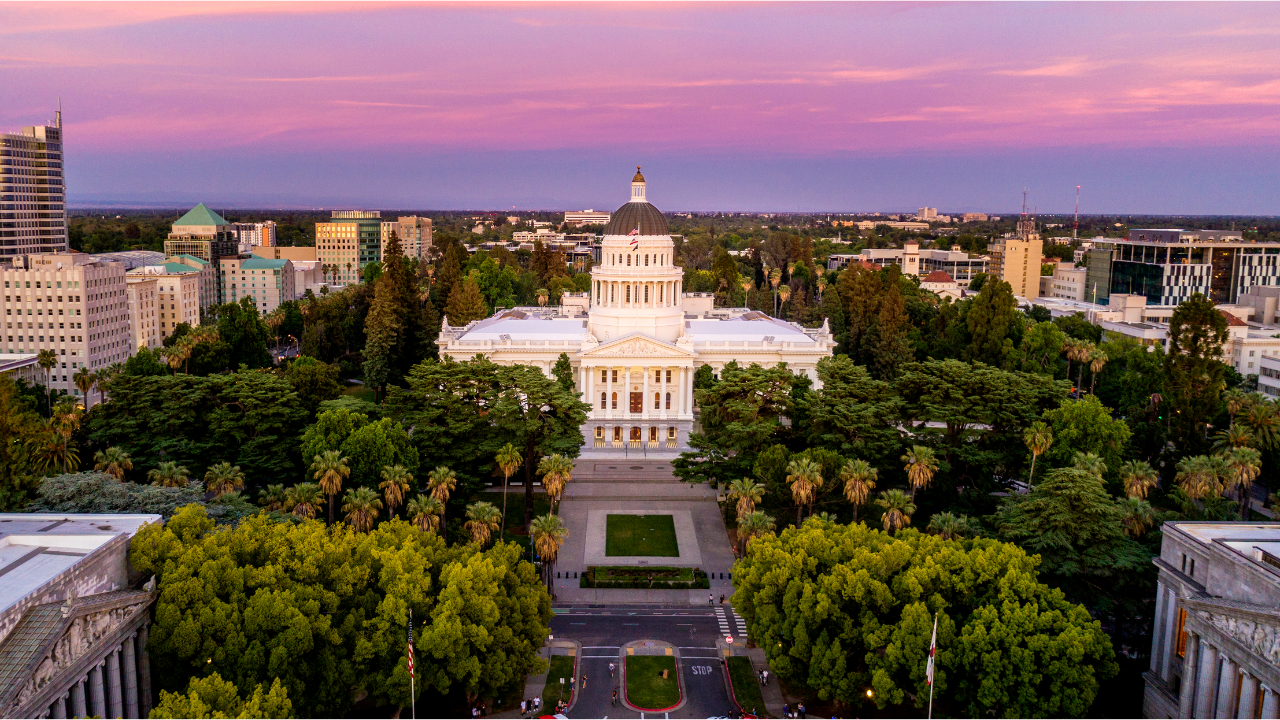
<point x="728" y="639"/>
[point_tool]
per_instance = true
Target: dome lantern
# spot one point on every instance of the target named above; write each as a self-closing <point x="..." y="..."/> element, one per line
<point x="637" y="187"/>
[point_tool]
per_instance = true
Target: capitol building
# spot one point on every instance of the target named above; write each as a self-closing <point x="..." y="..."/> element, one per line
<point x="636" y="339"/>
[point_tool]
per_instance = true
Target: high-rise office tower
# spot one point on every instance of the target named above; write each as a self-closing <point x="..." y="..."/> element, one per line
<point x="33" y="202"/>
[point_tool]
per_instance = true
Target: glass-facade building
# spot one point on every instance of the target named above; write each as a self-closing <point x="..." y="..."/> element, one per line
<point x="33" y="210"/>
<point x="1169" y="266"/>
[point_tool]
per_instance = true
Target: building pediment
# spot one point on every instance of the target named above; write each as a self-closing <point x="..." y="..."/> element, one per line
<point x="638" y="346"/>
<point x="50" y="639"/>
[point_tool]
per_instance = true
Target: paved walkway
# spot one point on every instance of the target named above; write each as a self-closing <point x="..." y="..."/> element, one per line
<point x="603" y="487"/>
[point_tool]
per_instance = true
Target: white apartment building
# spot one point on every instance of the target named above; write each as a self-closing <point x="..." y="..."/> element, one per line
<point x="414" y="233"/>
<point x="973" y="217"/>
<point x="70" y="304"/>
<point x="33" y="211"/>
<point x="587" y="217"/>
<point x="178" y="292"/>
<point x="1269" y="376"/>
<point x="261" y="234"/>
<point x="21" y="366"/>
<point x="144" y="310"/>
<point x="545" y="235"/>
<point x="1067" y="282"/>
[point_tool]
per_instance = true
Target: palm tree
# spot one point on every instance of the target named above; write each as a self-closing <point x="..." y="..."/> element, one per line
<point x="85" y="379"/>
<point x="361" y="506"/>
<point x="1242" y="465"/>
<point x="1089" y="462"/>
<point x="394" y="485"/>
<point x="441" y="482"/>
<point x="223" y="478"/>
<point x="1198" y="477"/>
<point x="425" y="511"/>
<point x="950" y="526"/>
<point x="921" y="464"/>
<point x="1083" y="353"/>
<point x="1097" y="360"/>
<point x="508" y="462"/>
<point x="1236" y="401"/>
<point x="859" y="480"/>
<point x="752" y="525"/>
<point x="784" y="293"/>
<point x="272" y="498"/>
<point x="52" y="450"/>
<point x="303" y="500"/>
<point x="169" y="474"/>
<point x="47" y="360"/>
<point x="1070" y="346"/>
<point x="775" y="277"/>
<point x="556" y="471"/>
<point x="329" y="468"/>
<point x="547" y="533"/>
<point x="482" y="519"/>
<point x="747" y="492"/>
<point x="1138" y="478"/>
<point x="1233" y="437"/>
<point x="1038" y="438"/>
<point x="805" y="476"/>
<point x="543" y="295"/>
<point x="113" y="461"/>
<point x="1261" y="420"/>
<point x="898" y="509"/>
<point x="1136" y="515"/>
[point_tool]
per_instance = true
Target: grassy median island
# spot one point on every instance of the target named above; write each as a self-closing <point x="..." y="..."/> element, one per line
<point x="642" y="535"/>
<point x="746" y="687"/>
<point x="561" y="667"/>
<point x="646" y="688"/>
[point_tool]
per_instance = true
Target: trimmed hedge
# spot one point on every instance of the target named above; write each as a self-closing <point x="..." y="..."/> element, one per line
<point x="641" y="580"/>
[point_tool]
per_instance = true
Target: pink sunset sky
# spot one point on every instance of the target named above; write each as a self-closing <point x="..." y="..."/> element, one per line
<point x="1153" y="107"/>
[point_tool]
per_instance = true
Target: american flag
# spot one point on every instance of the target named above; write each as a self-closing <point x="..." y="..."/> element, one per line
<point x="933" y="650"/>
<point x="410" y="647"/>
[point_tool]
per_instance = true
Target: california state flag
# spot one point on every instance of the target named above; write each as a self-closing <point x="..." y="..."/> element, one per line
<point x="933" y="650"/>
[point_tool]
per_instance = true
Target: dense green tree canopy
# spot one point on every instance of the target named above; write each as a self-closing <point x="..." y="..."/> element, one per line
<point x="325" y="612"/>
<point x="844" y="609"/>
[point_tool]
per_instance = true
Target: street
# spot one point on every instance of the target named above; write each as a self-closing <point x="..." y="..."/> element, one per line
<point x="603" y="631"/>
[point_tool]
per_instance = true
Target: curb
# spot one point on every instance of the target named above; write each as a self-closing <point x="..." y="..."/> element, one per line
<point x="675" y="655"/>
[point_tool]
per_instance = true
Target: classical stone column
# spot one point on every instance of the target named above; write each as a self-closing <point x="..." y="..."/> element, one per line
<point x="644" y="396"/>
<point x="60" y="706"/>
<point x="99" y="698"/>
<point x="1186" y="697"/>
<point x="1206" y="680"/>
<point x="1227" y="673"/>
<point x="1170" y="631"/>
<point x="1270" y="704"/>
<point x="624" y="402"/>
<point x="609" y="392"/>
<point x="113" y="682"/>
<point x="1248" y="695"/>
<point x="79" y="708"/>
<point x="1158" y="630"/>
<point x="130" y="678"/>
<point x="144" y="673"/>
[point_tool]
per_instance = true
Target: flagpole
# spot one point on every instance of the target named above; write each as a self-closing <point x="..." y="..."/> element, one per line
<point x="933" y="648"/>
<point x="412" y="696"/>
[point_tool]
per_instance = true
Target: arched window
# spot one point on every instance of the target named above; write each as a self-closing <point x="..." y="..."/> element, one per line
<point x="646" y="259"/>
<point x="646" y="293"/>
<point x="657" y="401"/>
<point x="602" y="401"/>
<point x="628" y="260"/>
<point x="628" y="293"/>
<point x="668" y="401"/>
<point x="615" y="401"/>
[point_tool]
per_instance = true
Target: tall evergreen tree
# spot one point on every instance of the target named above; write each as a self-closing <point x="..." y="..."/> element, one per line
<point x="563" y="371"/>
<point x="988" y="319"/>
<point x="892" y="347"/>
<point x="1195" y="373"/>
<point x="465" y="304"/>
<point x="400" y="332"/>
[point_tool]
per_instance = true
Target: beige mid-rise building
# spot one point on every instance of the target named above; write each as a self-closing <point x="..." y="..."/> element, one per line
<point x="1016" y="260"/>
<point x="178" y="292"/>
<point x="414" y="233"/>
<point x="349" y="241"/>
<point x="144" y="310"/>
<point x="70" y="304"/>
<point x="267" y="282"/>
<point x="207" y="274"/>
<point x="1067" y="282"/>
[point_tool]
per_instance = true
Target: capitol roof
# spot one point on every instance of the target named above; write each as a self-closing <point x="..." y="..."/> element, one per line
<point x="640" y="215"/>
<point x="753" y="326"/>
<point x="519" y="325"/>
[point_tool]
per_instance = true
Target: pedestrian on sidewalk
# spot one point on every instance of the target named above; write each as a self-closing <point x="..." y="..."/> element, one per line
<point x="537" y="702"/>
<point x="786" y="710"/>
<point x="711" y="600"/>
<point x="760" y="677"/>
<point x="614" y="701"/>
<point x="766" y="676"/>
<point x="523" y="704"/>
<point x="584" y="682"/>
<point x="800" y="709"/>
<point x="572" y="680"/>
<point x="612" y="667"/>
<point x="721" y="601"/>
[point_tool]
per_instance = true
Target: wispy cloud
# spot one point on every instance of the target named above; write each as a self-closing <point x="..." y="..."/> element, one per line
<point x="1070" y="67"/>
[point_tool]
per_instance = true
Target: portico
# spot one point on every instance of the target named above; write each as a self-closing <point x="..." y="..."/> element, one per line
<point x="640" y="391"/>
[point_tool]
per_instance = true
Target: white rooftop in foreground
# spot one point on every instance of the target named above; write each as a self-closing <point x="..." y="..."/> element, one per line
<point x="36" y="547"/>
<point x="746" y="327"/>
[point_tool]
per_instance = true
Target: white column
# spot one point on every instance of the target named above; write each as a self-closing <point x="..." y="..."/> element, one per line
<point x="644" y="406"/>
<point x="144" y="674"/>
<point x="130" y="678"/>
<point x="609" y="393"/>
<point x="685" y="403"/>
<point x="60" y="706"/>
<point x="1206" y="680"/>
<point x="1158" y="629"/>
<point x="624" y="403"/>
<point x="98" y="697"/>
<point x="590" y="389"/>
<point x="1248" y="695"/>
<point x="1227" y="689"/>
<point x="1270" y="704"/>
<point x="1186" y="698"/>
<point x="79" y="708"/>
<point x="113" y="682"/>
<point x="1170" y="630"/>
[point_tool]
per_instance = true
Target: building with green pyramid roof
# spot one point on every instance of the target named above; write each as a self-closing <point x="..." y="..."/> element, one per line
<point x="199" y="216"/>
<point x="203" y="234"/>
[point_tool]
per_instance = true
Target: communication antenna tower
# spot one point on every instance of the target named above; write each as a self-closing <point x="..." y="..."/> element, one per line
<point x="1075" y="226"/>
